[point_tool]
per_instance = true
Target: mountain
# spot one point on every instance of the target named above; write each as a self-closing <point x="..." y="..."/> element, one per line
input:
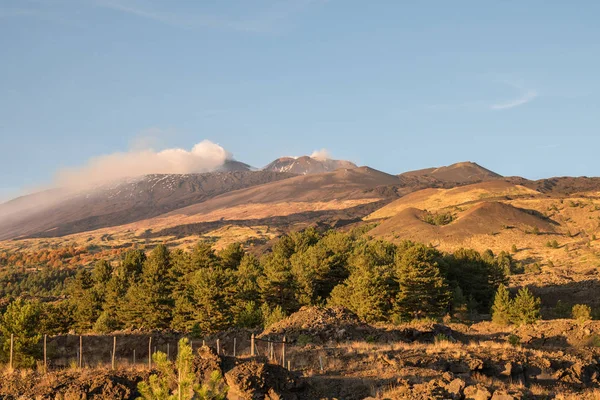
<point x="307" y="165"/>
<point x="119" y="203"/>
<point x="460" y="173"/>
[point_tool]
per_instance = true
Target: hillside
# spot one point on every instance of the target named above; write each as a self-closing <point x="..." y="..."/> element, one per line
<point x="459" y="173"/>
<point x="120" y="203"/>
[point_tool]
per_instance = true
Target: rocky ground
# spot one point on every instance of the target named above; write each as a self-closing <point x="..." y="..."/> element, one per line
<point x="333" y="355"/>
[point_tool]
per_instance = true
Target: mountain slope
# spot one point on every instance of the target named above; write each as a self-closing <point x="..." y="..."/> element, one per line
<point x="122" y="203"/>
<point x="460" y="173"/>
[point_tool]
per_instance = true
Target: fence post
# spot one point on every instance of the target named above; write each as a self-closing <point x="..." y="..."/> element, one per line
<point x="45" y="355"/>
<point x="289" y="366"/>
<point x="218" y="346"/>
<point x="150" y="353"/>
<point x="203" y="342"/>
<point x="234" y="344"/>
<point x="114" y="352"/>
<point x="168" y="352"/>
<point x="252" y="345"/>
<point x="80" y="351"/>
<point x="283" y="353"/>
<point x="12" y="341"/>
<point x="133" y="356"/>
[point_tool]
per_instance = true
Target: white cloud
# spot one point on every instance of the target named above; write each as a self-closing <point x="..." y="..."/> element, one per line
<point x="205" y="156"/>
<point x="525" y="97"/>
<point x="321" y="155"/>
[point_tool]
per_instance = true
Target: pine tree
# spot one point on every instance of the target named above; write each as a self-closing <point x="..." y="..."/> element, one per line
<point x="277" y="285"/>
<point x="526" y="308"/>
<point x="368" y="292"/>
<point x="85" y="300"/>
<point x="208" y="302"/>
<point x="422" y="288"/>
<point x="148" y="303"/>
<point x="503" y="307"/>
<point x="231" y="256"/>
<point x="21" y="319"/>
<point x="133" y="263"/>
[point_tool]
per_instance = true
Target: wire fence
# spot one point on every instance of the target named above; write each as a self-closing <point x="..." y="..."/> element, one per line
<point x="86" y="351"/>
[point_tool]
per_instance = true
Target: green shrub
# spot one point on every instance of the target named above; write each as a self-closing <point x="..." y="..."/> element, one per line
<point x="514" y="340"/>
<point x="303" y="340"/>
<point x="440" y="337"/>
<point x="581" y="313"/>
<point x="439" y="219"/>
<point x="562" y="309"/>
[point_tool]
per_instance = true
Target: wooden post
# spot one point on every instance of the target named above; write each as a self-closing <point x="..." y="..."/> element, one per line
<point x="168" y="352"/>
<point x="133" y="356"/>
<point x="283" y="353"/>
<point x="252" y="345"/>
<point x="12" y="342"/>
<point x="80" y="351"/>
<point x="234" y="344"/>
<point x="321" y="363"/>
<point x="45" y="355"/>
<point x="150" y="353"/>
<point x="203" y="342"/>
<point x="289" y="365"/>
<point x="114" y="352"/>
<point x="218" y="346"/>
<point x="272" y="349"/>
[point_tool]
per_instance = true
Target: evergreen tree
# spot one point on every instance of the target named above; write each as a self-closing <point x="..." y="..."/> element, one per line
<point x="526" y="308"/>
<point x="207" y="304"/>
<point x="422" y="289"/>
<point x="133" y="263"/>
<point x="21" y="319"/>
<point x="476" y="277"/>
<point x="503" y="307"/>
<point x="148" y="303"/>
<point x="85" y="300"/>
<point x="231" y="256"/>
<point x="203" y="256"/>
<point x="277" y="285"/>
<point x="368" y="292"/>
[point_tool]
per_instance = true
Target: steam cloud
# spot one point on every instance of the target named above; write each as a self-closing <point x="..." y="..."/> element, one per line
<point x="321" y="155"/>
<point x="205" y="156"/>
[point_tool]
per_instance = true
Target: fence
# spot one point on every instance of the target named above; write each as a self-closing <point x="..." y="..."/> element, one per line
<point x="137" y="349"/>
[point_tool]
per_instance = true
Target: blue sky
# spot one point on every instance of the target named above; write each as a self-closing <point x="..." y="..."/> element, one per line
<point x="396" y="85"/>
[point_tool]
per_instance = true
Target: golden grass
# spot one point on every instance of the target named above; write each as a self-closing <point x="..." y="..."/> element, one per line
<point x="439" y="199"/>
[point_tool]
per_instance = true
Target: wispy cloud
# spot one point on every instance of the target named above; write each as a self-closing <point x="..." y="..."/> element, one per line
<point x="262" y="21"/>
<point x="524" y="98"/>
<point x="269" y="18"/>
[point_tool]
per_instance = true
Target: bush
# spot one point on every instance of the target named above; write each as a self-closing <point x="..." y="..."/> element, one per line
<point x="581" y="313"/>
<point x="562" y="309"/>
<point x="553" y="244"/>
<point x="438" y="219"/>
<point x="303" y="340"/>
<point x="514" y="340"/>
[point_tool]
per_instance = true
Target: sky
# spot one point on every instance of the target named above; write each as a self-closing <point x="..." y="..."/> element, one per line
<point x="396" y="85"/>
